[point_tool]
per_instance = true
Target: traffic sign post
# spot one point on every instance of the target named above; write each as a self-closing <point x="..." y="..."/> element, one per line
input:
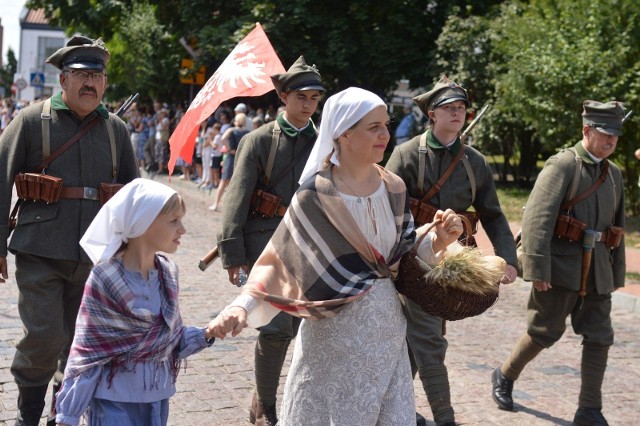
<point x="37" y="79"/>
<point x="21" y="83"/>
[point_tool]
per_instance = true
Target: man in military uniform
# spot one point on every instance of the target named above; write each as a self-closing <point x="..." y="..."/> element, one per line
<point x="469" y="185"/>
<point x="51" y="268"/>
<point x="573" y="275"/>
<point x="278" y="150"/>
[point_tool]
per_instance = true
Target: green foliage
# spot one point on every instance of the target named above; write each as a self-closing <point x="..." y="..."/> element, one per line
<point x="145" y="58"/>
<point x="539" y="60"/>
<point x="8" y="70"/>
<point x="368" y="43"/>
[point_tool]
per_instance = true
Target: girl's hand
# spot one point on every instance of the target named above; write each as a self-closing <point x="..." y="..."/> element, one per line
<point x="230" y="320"/>
<point x="542" y="285"/>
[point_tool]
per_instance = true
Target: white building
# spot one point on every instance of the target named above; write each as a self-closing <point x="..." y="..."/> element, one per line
<point x="38" y="41"/>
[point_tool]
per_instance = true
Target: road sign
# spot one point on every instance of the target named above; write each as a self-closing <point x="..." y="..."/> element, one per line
<point x="21" y="83"/>
<point x="37" y="79"/>
<point x="190" y="76"/>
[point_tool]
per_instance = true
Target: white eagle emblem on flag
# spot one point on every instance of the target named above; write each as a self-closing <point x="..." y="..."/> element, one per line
<point x="239" y="67"/>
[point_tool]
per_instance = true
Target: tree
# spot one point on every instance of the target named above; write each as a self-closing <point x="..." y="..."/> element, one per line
<point x="535" y="62"/>
<point x="145" y="57"/>
<point x="561" y="52"/>
<point x="7" y="72"/>
<point x="368" y="43"/>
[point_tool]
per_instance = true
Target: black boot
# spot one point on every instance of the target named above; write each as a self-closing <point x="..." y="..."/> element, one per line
<point x="30" y="405"/>
<point x="589" y="417"/>
<point x="502" y="389"/>
<point x="420" y="420"/>
<point x="262" y="415"/>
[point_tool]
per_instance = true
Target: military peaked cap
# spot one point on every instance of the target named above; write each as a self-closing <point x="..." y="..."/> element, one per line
<point x="81" y="53"/>
<point x="444" y="92"/>
<point x="299" y="77"/>
<point x="604" y="117"/>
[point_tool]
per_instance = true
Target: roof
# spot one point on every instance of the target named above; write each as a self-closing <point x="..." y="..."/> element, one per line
<point x="34" y="19"/>
<point x="36" y="16"/>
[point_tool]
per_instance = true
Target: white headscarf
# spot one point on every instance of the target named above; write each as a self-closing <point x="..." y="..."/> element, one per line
<point x="340" y="113"/>
<point x="128" y="214"/>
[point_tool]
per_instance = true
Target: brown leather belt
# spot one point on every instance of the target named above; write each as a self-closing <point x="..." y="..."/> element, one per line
<point x="80" y="192"/>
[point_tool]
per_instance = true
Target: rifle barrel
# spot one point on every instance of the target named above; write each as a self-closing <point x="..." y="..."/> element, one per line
<point x="475" y="121"/>
<point x="127" y="104"/>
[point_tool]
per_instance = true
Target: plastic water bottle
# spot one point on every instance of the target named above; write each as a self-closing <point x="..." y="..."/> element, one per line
<point x="242" y="277"/>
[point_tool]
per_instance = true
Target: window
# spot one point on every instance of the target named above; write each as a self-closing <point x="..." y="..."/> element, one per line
<point x="47" y="47"/>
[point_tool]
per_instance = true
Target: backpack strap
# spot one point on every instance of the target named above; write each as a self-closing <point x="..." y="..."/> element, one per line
<point x="471" y="176"/>
<point x="112" y="143"/>
<point x="275" y="140"/>
<point x="45" y="116"/>
<point x="422" y="154"/>
<point x="588" y="191"/>
<point x="576" y="177"/>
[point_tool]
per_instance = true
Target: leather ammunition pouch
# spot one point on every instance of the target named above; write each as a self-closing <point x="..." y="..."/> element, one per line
<point x="425" y="212"/>
<point x="573" y="230"/>
<point x="266" y="205"/>
<point x="613" y="236"/>
<point x="108" y="190"/>
<point x="38" y="187"/>
<point x="422" y="212"/>
<point x="569" y="228"/>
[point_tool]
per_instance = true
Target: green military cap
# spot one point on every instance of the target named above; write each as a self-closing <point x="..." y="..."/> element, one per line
<point x="81" y="53"/>
<point x="299" y="77"/>
<point x="444" y="92"/>
<point x="604" y="117"/>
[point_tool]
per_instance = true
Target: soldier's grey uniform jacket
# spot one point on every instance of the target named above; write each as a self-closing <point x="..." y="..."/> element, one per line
<point x="244" y="235"/>
<point x="456" y="192"/>
<point x="557" y="260"/>
<point x="54" y="230"/>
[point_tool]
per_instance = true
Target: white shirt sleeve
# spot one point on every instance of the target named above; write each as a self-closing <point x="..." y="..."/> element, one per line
<point x="259" y="312"/>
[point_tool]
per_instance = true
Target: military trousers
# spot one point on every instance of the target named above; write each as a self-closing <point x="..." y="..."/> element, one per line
<point x="424" y="335"/>
<point x="50" y="292"/>
<point x="590" y="318"/>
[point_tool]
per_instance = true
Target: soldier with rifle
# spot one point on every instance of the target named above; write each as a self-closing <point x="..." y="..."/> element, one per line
<point x="441" y="172"/>
<point x="66" y="155"/>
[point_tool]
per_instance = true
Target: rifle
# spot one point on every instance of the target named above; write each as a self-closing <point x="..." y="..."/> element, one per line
<point x="467" y="131"/>
<point x="127" y="104"/>
<point x="208" y="259"/>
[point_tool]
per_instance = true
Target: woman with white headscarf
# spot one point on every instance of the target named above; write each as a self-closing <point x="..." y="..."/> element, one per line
<point x="331" y="261"/>
<point x="129" y="336"/>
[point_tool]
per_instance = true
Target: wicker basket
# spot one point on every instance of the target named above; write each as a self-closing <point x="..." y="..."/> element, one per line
<point x="440" y="297"/>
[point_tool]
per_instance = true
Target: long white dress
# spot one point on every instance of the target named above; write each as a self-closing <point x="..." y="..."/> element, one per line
<point x="353" y="369"/>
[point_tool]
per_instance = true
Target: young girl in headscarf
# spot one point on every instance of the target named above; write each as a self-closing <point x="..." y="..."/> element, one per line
<point x="332" y="261"/>
<point x="129" y="336"/>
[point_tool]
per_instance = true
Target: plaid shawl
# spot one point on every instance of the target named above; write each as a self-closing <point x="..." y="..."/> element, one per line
<point x="110" y="330"/>
<point x="318" y="260"/>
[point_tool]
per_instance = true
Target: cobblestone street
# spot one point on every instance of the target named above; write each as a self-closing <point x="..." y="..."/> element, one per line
<point x="215" y="388"/>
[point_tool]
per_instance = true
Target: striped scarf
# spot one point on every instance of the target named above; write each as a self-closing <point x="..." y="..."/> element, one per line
<point x="110" y="330"/>
<point x="318" y="260"/>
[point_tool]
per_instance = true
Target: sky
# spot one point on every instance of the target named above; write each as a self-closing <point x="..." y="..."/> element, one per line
<point x="10" y="20"/>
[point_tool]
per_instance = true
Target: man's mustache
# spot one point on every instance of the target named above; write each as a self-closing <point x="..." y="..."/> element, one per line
<point x="88" y="90"/>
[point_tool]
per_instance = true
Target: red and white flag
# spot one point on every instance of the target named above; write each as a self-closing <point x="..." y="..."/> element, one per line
<point x="246" y="72"/>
